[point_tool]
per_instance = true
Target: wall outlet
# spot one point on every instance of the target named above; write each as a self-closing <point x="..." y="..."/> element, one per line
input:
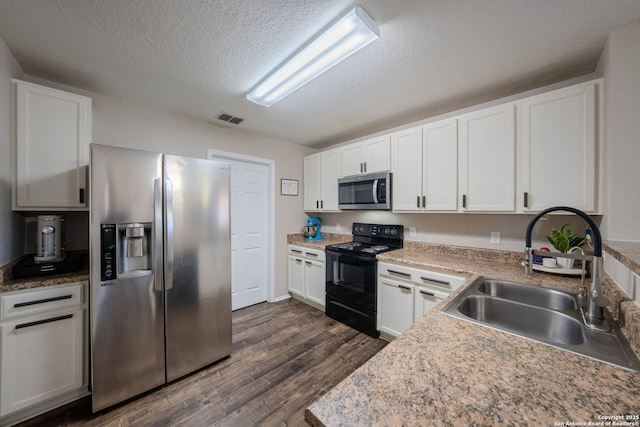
<point x="495" y="237"/>
<point x="412" y="232"/>
<point x="338" y="226"/>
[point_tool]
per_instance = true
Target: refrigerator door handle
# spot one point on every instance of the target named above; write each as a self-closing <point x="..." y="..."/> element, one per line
<point x="157" y="234"/>
<point x="168" y="265"/>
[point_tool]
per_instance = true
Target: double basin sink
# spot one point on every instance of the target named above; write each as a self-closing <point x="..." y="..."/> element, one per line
<point x="549" y="316"/>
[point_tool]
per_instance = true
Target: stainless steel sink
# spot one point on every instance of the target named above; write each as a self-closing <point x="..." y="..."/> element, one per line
<point x="522" y="319"/>
<point x="549" y="316"/>
<point x="528" y="294"/>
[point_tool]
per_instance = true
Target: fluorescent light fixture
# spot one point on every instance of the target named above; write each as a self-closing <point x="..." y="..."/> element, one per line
<point x="348" y="35"/>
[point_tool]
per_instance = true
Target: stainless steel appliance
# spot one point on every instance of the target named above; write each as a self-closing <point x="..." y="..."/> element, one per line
<point x="369" y="191"/>
<point x="160" y="269"/>
<point x="352" y="271"/>
<point x="49" y="234"/>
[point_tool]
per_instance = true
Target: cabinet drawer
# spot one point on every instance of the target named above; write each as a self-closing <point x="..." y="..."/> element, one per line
<point x="429" y="278"/>
<point x="34" y="301"/>
<point x="313" y="254"/>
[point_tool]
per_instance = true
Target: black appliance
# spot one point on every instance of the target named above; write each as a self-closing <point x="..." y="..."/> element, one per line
<point x="72" y="262"/>
<point x="369" y="192"/>
<point x="352" y="271"/>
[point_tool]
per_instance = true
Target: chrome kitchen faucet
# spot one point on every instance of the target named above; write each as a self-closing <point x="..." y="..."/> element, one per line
<point x="596" y="301"/>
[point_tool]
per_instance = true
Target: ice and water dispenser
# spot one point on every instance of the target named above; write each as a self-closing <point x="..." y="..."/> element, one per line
<point x="126" y="250"/>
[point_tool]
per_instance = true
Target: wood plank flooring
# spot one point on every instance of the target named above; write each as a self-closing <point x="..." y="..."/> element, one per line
<point x="285" y="356"/>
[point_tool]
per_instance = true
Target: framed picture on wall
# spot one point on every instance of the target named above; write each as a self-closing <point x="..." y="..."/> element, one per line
<point x="289" y="187"/>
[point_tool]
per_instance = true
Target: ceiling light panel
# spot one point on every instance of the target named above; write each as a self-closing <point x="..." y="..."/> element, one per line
<point x="346" y="36"/>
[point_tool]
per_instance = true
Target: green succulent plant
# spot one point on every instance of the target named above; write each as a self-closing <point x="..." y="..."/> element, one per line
<point x="563" y="239"/>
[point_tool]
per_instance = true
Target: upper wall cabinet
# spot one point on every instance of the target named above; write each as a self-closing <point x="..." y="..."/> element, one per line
<point x="321" y="173"/>
<point x="487" y="160"/>
<point x="372" y="155"/>
<point x="52" y="132"/>
<point x="424" y="164"/>
<point x="557" y="149"/>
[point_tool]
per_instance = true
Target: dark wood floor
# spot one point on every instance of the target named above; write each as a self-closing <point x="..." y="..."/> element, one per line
<point x="285" y="356"/>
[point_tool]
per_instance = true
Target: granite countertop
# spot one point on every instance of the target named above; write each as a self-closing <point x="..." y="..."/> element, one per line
<point x="8" y="284"/>
<point x="445" y="371"/>
<point x="328" y="239"/>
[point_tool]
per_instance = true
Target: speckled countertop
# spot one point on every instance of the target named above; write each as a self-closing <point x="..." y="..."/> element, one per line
<point x="445" y="371"/>
<point x="8" y="284"/>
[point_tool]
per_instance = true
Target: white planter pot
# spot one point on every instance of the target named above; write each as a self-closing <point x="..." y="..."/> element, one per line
<point x="565" y="262"/>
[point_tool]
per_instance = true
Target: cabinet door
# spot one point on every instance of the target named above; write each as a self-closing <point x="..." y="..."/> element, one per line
<point x="406" y="156"/>
<point x="487" y="160"/>
<point x="352" y="159"/>
<point x="440" y="170"/>
<point x="42" y="357"/>
<point x="312" y="182"/>
<point x="377" y="154"/>
<point x="395" y="306"/>
<point x="314" y="276"/>
<point x="296" y="275"/>
<point x="52" y="148"/>
<point x="558" y="149"/>
<point x="330" y="171"/>
<point x="425" y="300"/>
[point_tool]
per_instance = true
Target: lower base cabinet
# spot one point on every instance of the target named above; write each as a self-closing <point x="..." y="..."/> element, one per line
<point x="43" y="356"/>
<point x="406" y="294"/>
<point x="306" y="275"/>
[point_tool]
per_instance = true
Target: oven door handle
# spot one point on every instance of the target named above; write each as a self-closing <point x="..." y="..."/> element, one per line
<point x="345" y="258"/>
<point x="375" y="191"/>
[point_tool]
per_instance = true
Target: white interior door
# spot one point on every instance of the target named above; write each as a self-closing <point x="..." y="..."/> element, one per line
<point x="249" y="234"/>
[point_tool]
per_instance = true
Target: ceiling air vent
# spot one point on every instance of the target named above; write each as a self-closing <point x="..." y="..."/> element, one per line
<point x="230" y="119"/>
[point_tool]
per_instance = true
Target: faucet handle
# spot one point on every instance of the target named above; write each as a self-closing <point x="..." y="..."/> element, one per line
<point x="600" y="300"/>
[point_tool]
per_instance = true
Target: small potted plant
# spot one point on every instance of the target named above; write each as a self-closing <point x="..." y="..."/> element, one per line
<point x="564" y="240"/>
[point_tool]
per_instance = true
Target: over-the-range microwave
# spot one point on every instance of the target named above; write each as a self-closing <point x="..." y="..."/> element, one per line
<point x="369" y="191"/>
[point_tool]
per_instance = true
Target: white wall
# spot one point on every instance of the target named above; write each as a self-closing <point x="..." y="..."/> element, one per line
<point x="11" y="224"/>
<point x="620" y="65"/>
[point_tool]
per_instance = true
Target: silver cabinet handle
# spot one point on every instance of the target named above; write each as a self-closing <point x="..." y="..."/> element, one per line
<point x="157" y="234"/>
<point x="399" y="273"/>
<point x="168" y="272"/>
<point x="423" y="292"/>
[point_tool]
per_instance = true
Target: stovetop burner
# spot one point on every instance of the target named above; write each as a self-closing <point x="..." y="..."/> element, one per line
<point x="371" y="239"/>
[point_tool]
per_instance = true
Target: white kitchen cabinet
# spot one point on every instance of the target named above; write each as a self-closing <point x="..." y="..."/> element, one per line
<point x="306" y="275"/>
<point x="52" y="135"/>
<point x="487" y="160"/>
<point x="557" y="149"/>
<point x="321" y="173"/>
<point x="425" y="168"/>
<point x="372" y="155"/>
<point x="43" y="356"/>
<point x="395" y="306"/>
<point x="405" y="294"/>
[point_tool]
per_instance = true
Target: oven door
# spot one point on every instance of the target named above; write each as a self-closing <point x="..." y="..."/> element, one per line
<point x="352" y="278"/>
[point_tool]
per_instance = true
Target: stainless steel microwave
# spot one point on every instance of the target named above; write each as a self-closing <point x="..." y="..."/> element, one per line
<point x="369" y="191"/>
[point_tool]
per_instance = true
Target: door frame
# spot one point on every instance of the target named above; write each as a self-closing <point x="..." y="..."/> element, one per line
<point x="213" y="154"/>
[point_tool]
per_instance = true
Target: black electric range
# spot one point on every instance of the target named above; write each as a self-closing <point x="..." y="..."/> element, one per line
<point x="351" y="274"/>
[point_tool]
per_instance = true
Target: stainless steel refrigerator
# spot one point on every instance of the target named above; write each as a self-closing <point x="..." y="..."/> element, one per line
<point x="160" y="268"/>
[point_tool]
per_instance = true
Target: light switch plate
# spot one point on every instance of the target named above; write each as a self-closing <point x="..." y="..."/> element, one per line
<point x="412" y="232"/>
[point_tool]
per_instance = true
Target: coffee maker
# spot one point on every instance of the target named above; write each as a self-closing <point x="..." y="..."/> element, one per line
<point x="50" y="243"/>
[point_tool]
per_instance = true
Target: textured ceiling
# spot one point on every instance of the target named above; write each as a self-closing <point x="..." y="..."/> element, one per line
<point x="201" y="57"/>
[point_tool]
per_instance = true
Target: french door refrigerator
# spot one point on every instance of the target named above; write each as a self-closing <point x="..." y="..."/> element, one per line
<point x="160" y="269"/>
